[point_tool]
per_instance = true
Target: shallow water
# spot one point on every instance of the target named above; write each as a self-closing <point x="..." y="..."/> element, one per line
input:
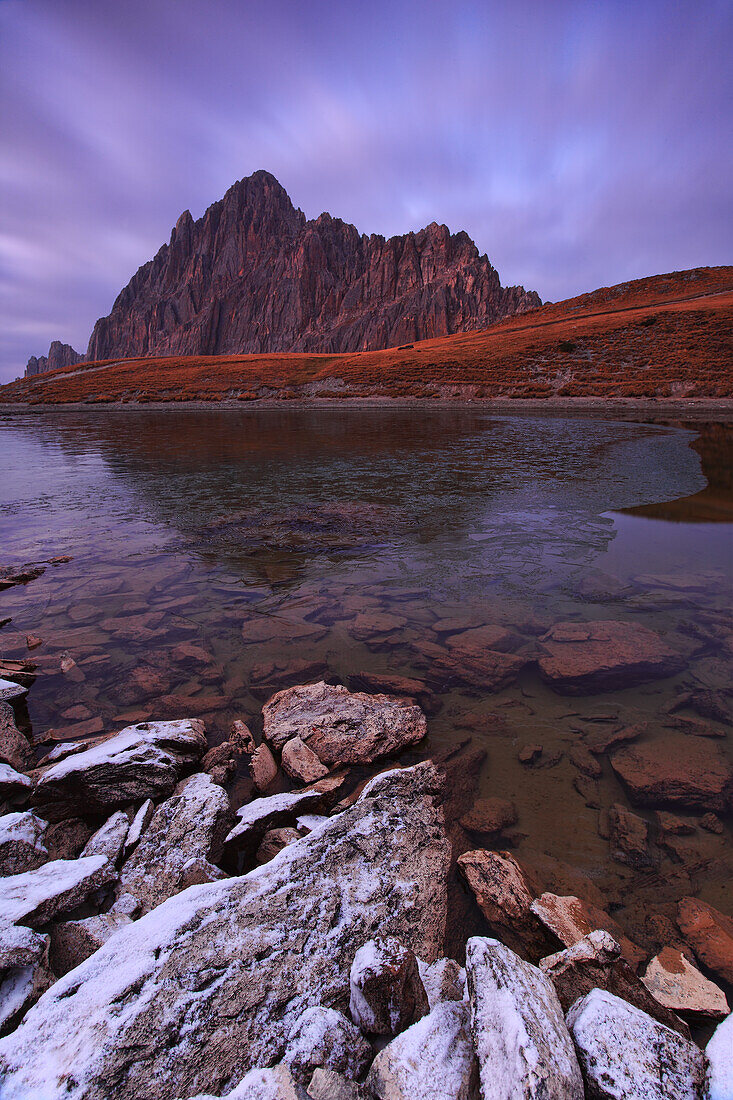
<point x="186" y="526"/>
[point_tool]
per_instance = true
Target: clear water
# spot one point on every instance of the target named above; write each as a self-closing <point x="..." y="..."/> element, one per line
<point x="185" y="525"/>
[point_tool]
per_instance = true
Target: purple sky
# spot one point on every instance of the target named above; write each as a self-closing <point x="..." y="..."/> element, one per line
<point x="579" y="143"/>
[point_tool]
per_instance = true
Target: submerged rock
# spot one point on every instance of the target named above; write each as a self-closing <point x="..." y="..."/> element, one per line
<point x="15" y="749"/>
<point x="210" y="983"/>
<point x="710" y="935"/>
<point x="570" y="919"/>
<point x="143" y="761"/>
<point x="341" y="726"/>
<point x="626" y="1055"/>
<point x="583" y="658"/>
<point x="676" y="771"/>
<point x="519" y="1031"/>
<point x="432" y="1060"/>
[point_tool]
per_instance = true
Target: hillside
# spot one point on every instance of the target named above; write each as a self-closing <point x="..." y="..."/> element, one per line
<point x="668" y="336"/>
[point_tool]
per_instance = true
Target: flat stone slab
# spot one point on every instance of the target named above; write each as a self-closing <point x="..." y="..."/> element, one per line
<point x="673" y="981"/>
<point x="676" y="770"/>
<point x="605" y="655"/>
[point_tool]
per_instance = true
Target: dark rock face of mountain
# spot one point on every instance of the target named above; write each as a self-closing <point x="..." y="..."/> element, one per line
<point x="59" y="355"/>
<point x="252" y="275"/>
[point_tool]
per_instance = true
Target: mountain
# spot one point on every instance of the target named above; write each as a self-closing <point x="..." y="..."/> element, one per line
<point x="253" y="275"/>
<point x="59" y="355"/>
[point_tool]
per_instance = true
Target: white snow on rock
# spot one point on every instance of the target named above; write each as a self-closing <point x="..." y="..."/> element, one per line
<point x="324" y="1037"/>
<point x="444" y="980"/>
<point x="209" y="984"/>
<point x="12" y="782"/>
<point x="20" y="946"/>
<point x="109" y="839"/>
<point x="184" y="835"/>
<point x="140" y="822"/>
<point x="432" y="1060"/>
<point x="256" y="817"/>
<point x="20" y="986"/>
<point x="21" y="842"/>
<point x="10" y="690"/>
<point x="73" y="941"/>
<point x="143" y="761"/>
<point x="263" y="1084"/>
<point x="519" y="1031"/>
<point x="626" y="1055"/>
<point x="387" y="994"/>
<point x="720" y="1057"/>
<point x="35" y="897"/>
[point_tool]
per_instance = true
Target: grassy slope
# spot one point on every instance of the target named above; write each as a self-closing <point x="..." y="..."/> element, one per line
<point x="665" y="336"/>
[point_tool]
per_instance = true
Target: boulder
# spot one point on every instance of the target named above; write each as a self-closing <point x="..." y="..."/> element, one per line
<point x="15" y="749"/>
<point x="36" y="897"/>
<point x="10" y="691"/>
<point x="676" y="771"/>
<point x="143" y="761"/>
<point x="263" y="1084"/>
<point x="22" y="845"/>
<point x="710" y="935"/>
<point x="570" y="919"/>
<point x="326" y="1084"/>
<point x="74" y="941"/>
<point x="324" y="1037"/>
<point x="387" y="994"/>
<point x="20" y="946"/>
<point x="209" y="984"/>
<point x="262" y="768"/>
<point x="595" y="963"/>
<point x="340" y="726"/>
<point x="432" y="1060"/>
<point x="605" y="655"/>
<point x="626" y="1054"/>
<point x="109" y="840"/>
<point x="263" y="814"/>
<point x="184" y="837"/>
<point x="504" y="897"/>
<point x="629" y="839"/>
<point x="443" y="980"/>
<point x="675" y="982"/>
<point x="301" y="763"/>
<point x="719" y="1053"/>
<point x="20" y="987"/>
<point x="13" y="783"/>
<point x="519" y="1031"/>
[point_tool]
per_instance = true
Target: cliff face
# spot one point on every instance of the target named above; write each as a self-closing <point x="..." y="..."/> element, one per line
<point x="59" y="355"/>
<point x="252" y="275"/>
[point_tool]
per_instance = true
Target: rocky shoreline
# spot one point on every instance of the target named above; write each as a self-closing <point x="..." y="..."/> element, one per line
<point x="330" y="941"/>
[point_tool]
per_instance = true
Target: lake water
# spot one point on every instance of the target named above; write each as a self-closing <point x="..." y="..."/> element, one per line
<point x="219" y="556"/>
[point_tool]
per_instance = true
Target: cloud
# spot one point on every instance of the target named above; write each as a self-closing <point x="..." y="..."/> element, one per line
<point x="579" y="144"/>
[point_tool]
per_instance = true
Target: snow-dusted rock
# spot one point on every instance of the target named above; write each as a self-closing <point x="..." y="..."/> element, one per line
<point x="10" y="691"/>
<point x="143" y="761"/>
<point x="15" y="749"/>
<point x="20" y="987"/>
<point x="301" y="763"/>
<point x="20" y="946"/>
<point x="184" y="836"/>
<point x="595" y="962"/>
<point x="676" y="983"/>
<point x="519" y="1031"/>
<point x="626" y="1055"/>
<point x="504" y="897"/>
<point x="138" y="825"/>
<point x="13" y="783"/>
<point x="263" y="1084"/>
<point x="432" y="1060"/>
<point x="720" y="1058"/>
<point x="210" y="983"/>
<point x="570" y="919"/>
<point x="259" y="816"/>
<point x="341" y="726"/>
<point x="35" y="897"/>
<point x="387" y="994"/>
<point x="324" y="1037"/>
<point x="443" y="980"/>
<point x="21" y="842"/>
<point x="73" y="941"/>
<point x="109" y="840"/>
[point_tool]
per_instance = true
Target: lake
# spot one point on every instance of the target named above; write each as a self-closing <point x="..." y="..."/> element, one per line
<point x="219" y="556"/>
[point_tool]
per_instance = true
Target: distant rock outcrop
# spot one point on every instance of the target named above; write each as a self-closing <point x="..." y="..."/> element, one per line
<point x="252" y="275"/>
<point x="59" y="355"/>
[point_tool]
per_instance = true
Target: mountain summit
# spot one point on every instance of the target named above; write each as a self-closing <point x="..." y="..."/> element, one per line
<point x="252" y="275"/>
